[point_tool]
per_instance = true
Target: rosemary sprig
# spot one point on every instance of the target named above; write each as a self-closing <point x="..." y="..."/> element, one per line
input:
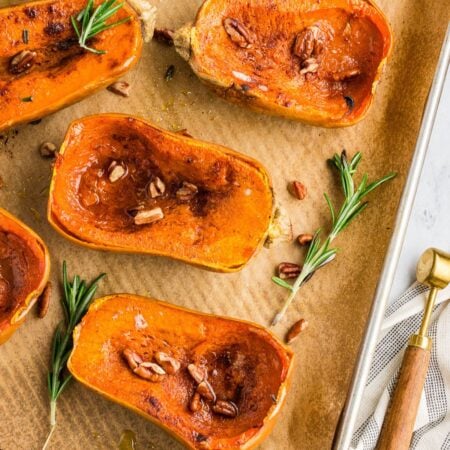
<point x="320" y="254"/>
<point x="91" y="22"/>
<point x="76" y="300"/>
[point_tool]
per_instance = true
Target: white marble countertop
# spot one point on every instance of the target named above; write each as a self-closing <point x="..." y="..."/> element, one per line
<point x="429" y="224"/>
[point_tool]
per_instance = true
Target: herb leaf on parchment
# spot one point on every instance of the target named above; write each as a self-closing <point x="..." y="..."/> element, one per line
<point x="77" y="297"/>
<point x="321" y="253"/>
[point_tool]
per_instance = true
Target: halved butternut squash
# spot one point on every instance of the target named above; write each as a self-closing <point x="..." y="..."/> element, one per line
<point x="317" y="62"/>
<point x="42" y="67"/>
<point x="122" y="184"/>
<point x="245" y="370"/>
<point x="24" y="271"/>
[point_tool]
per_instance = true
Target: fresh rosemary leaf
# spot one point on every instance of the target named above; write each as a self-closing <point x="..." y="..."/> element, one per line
<point x="319" y="254"/>
<point x="92" y="21"/>
<point x="76" y="300"/>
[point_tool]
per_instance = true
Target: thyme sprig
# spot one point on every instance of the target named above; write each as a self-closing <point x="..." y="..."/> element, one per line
<point x="91" y="22"/>
<point x="319" y="254"/>
<point x="76" y="300"/>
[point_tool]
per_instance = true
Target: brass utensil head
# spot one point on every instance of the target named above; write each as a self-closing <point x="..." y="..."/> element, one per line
<point x="433" y="268"/>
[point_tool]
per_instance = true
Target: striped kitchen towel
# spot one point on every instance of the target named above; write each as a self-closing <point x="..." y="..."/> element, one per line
<point x="402" y="318"/>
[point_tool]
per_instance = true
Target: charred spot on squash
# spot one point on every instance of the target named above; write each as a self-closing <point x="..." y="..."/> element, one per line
<point x="112" y="170"/>
<point x="23" y="271"/>
<point x="243" y="363"/>
<point x="49" y="65"/>
<point x="300" y="59"/>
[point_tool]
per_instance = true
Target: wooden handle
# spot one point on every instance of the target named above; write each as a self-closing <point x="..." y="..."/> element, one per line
<point x="401" y="415"/>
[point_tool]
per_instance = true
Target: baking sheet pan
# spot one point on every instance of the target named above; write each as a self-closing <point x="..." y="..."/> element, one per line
<point x="336" y="303"/>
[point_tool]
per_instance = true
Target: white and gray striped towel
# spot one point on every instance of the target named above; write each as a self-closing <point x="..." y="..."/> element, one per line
<point x="402" y="318"/>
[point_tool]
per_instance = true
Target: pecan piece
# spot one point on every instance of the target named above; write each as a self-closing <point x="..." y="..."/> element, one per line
<point x="197" y="374"/>
<point x="22" y="61"/>
<point x="132" y="358"/>
<point x="196" y="403"/>
<point x="147" y="373"/>
<point x="295" y="330"/>
<point x="310" y="65"/>
<point x="287" y="270"/>
<point x="156" y="368"/>
<point x="116" y="171"/>
<point x="238" y="32"/>
<point x="297" y="189"/>
<point x="120" y="88"/>
<point x="156" y="188"/>
<point x="187" y="191"/>
<point x="206" y="391"/>
<point x="47" y="150"/>
<point x="169" y="364"/>
<point x="146" y="216"/>
<point x="44" y="300"/>
<point x="227" y="409"/>
<point x="305" y="239"/>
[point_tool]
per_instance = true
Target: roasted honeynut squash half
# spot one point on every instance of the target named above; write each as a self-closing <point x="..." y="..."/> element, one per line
<point x="318" y="62"/>
<point x="47" y="70"/>
<point x="125" y="340"/>
<point x="24" y="271"/>
<point x="120" y="183"/>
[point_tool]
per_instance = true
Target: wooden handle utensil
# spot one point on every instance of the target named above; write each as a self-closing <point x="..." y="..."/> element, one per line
<point x="433" y="269"/>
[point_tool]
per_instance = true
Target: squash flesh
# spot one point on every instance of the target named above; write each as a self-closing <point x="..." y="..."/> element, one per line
<point x="62" y="73"/>
<point x="24" y="269"/>
<point x="252" y="368"/>
<point x="267" y="75"/>
<point x="221" y="228"/>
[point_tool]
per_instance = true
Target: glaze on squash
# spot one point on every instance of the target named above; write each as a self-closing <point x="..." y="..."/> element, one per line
<point x="24" y="270"/>
<point x="244" y="363"/>
<point x="219" y="228"/>
<point x="61" y="72"/>
<point x="318" y="62"/>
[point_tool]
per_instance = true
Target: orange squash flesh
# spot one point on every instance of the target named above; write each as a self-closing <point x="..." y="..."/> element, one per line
<point x="220" y="228"/>
<point x="61" y="72"/>
<point x="244" y="362"/>
<point x="264" y="71"/>
<point x="24" y="271"/>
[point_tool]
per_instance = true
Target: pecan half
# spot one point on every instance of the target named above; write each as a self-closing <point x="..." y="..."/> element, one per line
<point x="146" y="216"/>
<point x="22" y="61"/>
<point x="206" y="391"/>
<point x="196" y="373"/>
<point x="132" y="358"/>
<point x="227" y="409"/>
<point x="287" y="270"/>
<point x="44" y="300"/>
<point x="187" y="191"/>
<point x="169" y="364"/>
<point x="238" y="32"/>
<point x="295" y="330"/>
<point x="156" y="188"/>
<point x="309" y="42"/>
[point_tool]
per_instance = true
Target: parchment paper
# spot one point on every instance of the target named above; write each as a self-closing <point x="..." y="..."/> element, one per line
<point x="336" y="302"/>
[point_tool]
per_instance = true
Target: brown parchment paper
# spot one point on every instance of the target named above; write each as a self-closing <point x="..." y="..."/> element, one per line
<point x="336" y="302"/>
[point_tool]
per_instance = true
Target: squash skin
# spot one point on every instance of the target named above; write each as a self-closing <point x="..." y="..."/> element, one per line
<point x="214" y="238"/>
<point x="63" y="73"/>
<point x="38" y="253"/>
<point x="205" y="42"/>
<point x="110" y="326"/>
